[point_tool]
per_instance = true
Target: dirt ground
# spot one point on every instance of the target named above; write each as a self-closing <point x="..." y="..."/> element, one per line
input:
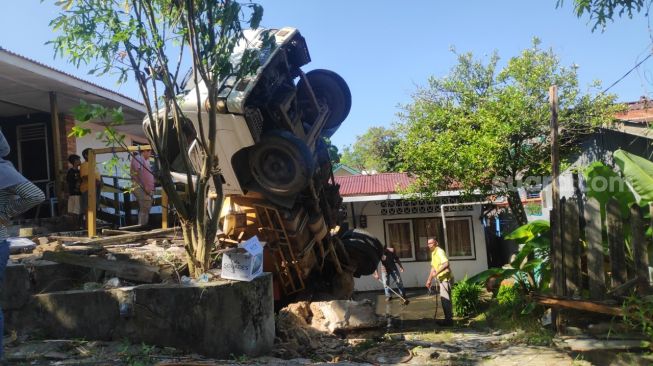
<point x="408" y="335"/>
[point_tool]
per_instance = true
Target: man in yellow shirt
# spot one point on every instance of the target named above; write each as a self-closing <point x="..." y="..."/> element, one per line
<point x="440" y="270"/>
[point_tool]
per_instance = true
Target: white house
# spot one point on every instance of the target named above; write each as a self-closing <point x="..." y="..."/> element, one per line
<point x="36" y="117"/>
<point x="373" y="204"/>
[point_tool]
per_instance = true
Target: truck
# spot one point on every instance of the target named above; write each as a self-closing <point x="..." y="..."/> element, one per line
<point x="276" y="172"/>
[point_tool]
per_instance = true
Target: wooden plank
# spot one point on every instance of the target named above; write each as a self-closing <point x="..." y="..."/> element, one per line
<point x="130" y="271"/>
<point x="616" y="243"/>
<point x="640" y="250"/>
<point x="557" y="255"/>
<point x="571" y="247"/>
<point x="130" y="238"/>
<point x="109" y="232"/>
<point x="585" y="305"/>
<point x="119" y="149"/>
<point x="594" y="238"/>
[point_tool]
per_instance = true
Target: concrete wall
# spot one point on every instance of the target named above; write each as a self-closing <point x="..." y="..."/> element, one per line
<point x="215" y="319"/>
<point x="416" y="272"/>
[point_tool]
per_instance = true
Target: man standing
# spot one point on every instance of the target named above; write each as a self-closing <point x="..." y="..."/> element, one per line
<point x="440" y="270"/>
<point x="390" y="261"/>
<point x="143" y="183"/>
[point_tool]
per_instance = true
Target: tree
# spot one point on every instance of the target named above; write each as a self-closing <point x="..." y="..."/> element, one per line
<point x="374" y="150"/>
<point x="600" y="11"/>
<point x="152" y="40"/>
<point x="485" y="129"/>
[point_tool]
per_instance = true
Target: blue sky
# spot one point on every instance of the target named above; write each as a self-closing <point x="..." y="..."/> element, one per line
<point x="384" y="49"/>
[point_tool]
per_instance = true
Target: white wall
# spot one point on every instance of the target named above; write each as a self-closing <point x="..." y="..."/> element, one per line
<point x="416" y="273"/>
<point x="91" y="141"/>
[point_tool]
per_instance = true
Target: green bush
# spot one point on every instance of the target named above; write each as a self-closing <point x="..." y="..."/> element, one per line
<point x="509" y="297"/>
<point x="465" y="297"/>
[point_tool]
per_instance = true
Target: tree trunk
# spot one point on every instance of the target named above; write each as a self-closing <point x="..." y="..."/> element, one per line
<point x="517" y="208"/>
<point x="198" y="248"/>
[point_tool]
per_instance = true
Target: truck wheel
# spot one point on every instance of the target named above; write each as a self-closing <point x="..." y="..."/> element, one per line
<point x="330" y="89"/>
<point x="281" y="163"/>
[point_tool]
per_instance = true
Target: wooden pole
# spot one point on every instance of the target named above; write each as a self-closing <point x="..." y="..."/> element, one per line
<point x="56" y="133"/>
<point x="556" y="243"/>
<point x="91" y="204"/>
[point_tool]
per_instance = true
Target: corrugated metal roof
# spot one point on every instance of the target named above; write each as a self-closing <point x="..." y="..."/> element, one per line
<point x="367" y="185"/>
<point x="70" y="75"/>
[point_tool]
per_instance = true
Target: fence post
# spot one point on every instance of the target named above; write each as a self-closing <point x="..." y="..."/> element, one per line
<point x="557" y="252"/>
<point x="127" y="208"/>
<point x="116" y="201"/>
<point x="616" y="243"/>
<point x="571" y="247"/>
<point x="595" y="260"/>
<point x="640" y="252"/>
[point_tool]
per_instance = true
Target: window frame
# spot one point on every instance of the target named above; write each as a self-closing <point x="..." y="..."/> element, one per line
<point x="471" y="236"/>
<point x="412" y="235"/>
<point x="411" y="222"/>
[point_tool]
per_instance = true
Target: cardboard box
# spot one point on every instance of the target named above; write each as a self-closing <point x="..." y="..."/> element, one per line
<point x="245" y="263"/>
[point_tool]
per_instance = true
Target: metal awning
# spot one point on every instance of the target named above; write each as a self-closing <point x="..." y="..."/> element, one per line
<point x="25" y="86"/>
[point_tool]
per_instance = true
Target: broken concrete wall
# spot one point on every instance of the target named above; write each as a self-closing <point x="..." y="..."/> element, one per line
<point x="215" y="319"/>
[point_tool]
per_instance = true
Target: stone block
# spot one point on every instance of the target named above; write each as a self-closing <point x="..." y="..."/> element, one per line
<point x="343" y="315"/>
<point x="50" y="276"/>
<point x="78" y="314"/>
<point x="15" y="292"/>
<point x="216" y="319"/>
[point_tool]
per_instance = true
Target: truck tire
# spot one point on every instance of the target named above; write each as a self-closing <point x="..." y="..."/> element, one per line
<point x="330" y="89"/>
<point x="281" y="163"/>
<point x="364" y="251"/>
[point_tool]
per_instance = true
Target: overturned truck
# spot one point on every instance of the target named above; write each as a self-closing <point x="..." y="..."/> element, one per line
<point x="277" y="180"/>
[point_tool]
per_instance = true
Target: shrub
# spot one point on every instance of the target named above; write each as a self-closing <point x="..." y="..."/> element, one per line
<point x="465" y="297"/>
<point x="509" y="297"/>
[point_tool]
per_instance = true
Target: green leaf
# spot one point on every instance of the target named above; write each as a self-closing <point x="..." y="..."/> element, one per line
<point x="604" y="183"/>
<point x="529" y="308"/>
<point x="528" y="232"/>
<point x="501" y="273"/>
<point x="78" y="131"/>
<point x="638" y="172"/>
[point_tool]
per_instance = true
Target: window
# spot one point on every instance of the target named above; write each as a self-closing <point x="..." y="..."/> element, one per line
<point x="459" y="237"/>
<point x="425" y="229"/>
<point x="409" y="237"/>
<point x="399" y="235"/>
<point x="33" y="157"/>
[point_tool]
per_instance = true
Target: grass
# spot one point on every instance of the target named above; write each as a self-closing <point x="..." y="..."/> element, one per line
<point x="435" y="337"/>
<point x="528" y="327"/>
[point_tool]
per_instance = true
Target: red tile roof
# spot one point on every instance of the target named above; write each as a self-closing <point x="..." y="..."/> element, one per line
<point x="640" y="111"/>
<point x="369" y="185"/>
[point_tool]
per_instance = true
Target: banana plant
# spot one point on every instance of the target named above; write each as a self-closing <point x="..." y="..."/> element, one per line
<point x="638" y="171"/>
<point x="531" y="272"/>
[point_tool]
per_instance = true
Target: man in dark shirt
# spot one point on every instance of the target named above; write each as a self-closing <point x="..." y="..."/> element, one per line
<point x="74" y="181"/>
<point x="390" y="261"/>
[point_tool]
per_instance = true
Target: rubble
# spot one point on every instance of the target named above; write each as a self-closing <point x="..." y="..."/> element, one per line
<point x="343" y="315"/>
